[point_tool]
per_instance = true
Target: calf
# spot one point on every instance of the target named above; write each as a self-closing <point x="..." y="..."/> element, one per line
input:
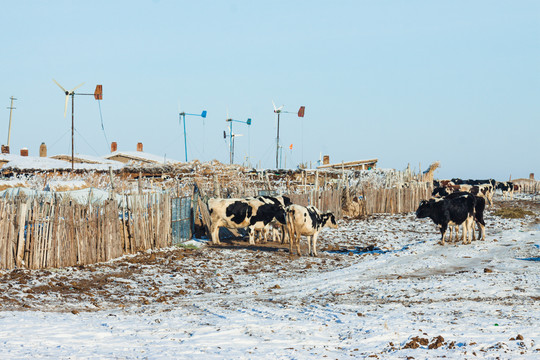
<point x="307" y="221"/>
<point x="452" y="211"/>
<point x="240" y="213"/>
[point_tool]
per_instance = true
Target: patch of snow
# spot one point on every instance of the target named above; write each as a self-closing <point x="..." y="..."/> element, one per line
<point x="248" y="303"/>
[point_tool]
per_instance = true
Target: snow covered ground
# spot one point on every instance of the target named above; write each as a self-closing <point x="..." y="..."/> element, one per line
<point x="407" y="297"/>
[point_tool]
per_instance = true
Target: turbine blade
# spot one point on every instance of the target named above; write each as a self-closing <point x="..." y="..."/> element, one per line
<point x="76" y="87"/>
<point x="60" y="86"/>
<point x="65" y="107"/>
<point x="274" y="106"/>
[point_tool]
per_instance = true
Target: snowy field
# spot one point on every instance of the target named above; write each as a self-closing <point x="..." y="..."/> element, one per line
<point x="409" y="297"/>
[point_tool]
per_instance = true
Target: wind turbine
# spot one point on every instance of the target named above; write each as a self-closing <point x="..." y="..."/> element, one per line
<point x="232" y="135"/>
<point x="278" y="111"/>
<point x="183" y="115"/>
<point x="98" y="95"/>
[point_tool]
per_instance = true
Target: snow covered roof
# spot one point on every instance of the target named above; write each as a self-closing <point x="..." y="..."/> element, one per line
<point x="139" y="156"/>
<point x="33" y="163"/>
<point x="89" y="159"/>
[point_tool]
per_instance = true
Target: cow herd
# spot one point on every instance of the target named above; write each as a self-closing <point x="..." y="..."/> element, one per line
<point x="454" y="203"/>
<point x="268" y="214"/>
<point x="459" y="202"/>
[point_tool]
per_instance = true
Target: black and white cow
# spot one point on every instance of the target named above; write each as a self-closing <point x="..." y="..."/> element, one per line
<point x="453" y="211"/>
<point x="484" y="190"/>
<point x="507" y="189"/>
<point x="281" y="201"/>
<point x="479" y="207"/>
<point x="307" y="221"/>
<point x="252" y="213"/>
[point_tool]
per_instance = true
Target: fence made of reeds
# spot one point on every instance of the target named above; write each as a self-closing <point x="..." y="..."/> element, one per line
<point x="324" y="200"/>
<point x="395" y="200"/>
<point x="39" y="234"/>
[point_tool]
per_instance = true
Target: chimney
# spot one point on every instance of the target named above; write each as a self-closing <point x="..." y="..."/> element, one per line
<point x="531" y="176"/>
<point x="114" y="146"/>
<point x="43" y="150"/>
<point x="326" y="159"/>
<point x="24" y="152"/>
<point x="5" y="149"/>
<point x="139" y="147"/>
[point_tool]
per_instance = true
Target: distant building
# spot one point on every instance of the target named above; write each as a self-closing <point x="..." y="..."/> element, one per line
<point x="350" y="165"/>
<point x="137" y="157"/>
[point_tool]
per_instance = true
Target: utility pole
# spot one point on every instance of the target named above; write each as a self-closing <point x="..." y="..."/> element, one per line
<point x="10" y="114"/>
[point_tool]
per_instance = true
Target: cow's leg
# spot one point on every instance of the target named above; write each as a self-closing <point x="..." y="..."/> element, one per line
<point x="472" y="224"/>
<point x="284" y="234"/>
<point x="276" y="234"/>
<point x="291" y="231"/>
<point x="297" y="241"/>
<point x="214" y="233"/>
<point x="444" y="227"/>
<point x="465" y="230"/>
<point x="251" y="231"/>
<point x="481" y="231"/>
<point x="314" y="243"/>
<point x="266" y="232"/>
<point x="467" y="226"/>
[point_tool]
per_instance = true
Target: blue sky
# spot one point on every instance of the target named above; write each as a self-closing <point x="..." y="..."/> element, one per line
<point x="401" y="81"/>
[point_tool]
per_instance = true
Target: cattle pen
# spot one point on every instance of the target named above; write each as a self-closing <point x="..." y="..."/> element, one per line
<point x="53" y="231"/>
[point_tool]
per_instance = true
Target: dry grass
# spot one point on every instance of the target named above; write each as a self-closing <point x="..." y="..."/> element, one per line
<point x="4" y="187"/>
<point x="513" y="213"/>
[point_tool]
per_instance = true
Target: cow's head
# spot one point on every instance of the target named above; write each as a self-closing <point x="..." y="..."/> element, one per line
<point x="423" y="209"/>
<point x="439" y="192"/>
<point x="330" y="220"/>
<point x="286" y="201"/>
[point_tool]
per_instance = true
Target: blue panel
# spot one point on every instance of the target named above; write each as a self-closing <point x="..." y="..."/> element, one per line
<point x="181" y="220"/>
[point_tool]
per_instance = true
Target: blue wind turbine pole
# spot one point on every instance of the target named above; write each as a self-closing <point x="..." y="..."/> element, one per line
<point x="181" y="116"/>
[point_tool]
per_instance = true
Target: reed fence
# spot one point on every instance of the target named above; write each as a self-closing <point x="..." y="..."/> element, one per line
<point x="324" y="200"/>
<point x="39" y="234"/>
<point x="395" y="200"/>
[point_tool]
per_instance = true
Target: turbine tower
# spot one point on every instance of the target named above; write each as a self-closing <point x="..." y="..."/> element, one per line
<point x="98" y="95"/>
<point x="181" y="116"/>
<point x="278" y="111"/>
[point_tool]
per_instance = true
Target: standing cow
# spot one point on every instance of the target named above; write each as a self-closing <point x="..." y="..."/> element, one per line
<point x="282" y="202"/>
<point x="449" y="211"/>
<point x="479" y="207"/>
<point x="241" y="213"/>
<point x="307" y="221"/>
